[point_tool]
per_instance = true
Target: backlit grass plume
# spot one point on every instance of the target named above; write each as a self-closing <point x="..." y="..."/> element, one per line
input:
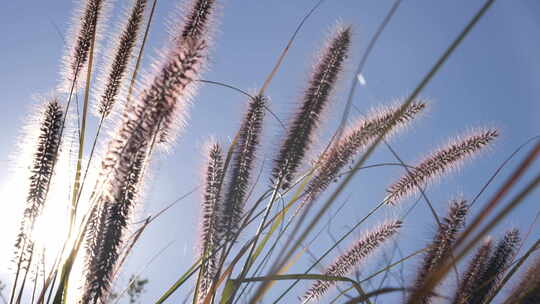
<point x="439" y="163"/>
<point x="355" y="255"/>
<point x="140" y="123"/>
<point x="211" y="213"/>
<point x="242" y="166"/>
<point x="315" y="99"/>
<point x="192" y="39"/>
<point x="119" y="58"/>
<point x="44" y="157"/>
<point x="473" y="273"/>
<point x="85" y="33"/>
<point x="356" y="139"/>
<point x="440" y="250"/>
<point x="497" y="264"/>
<point x="106" y="234"/>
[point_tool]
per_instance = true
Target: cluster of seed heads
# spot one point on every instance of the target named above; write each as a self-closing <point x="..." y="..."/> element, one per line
<point x="356" y="139"/>
<point x="139" y="126"/>
<point x="160" y="106"/>
<point x="440" y="249"/>
<point x="473" y="273"/>
<point x="494" y="267"/>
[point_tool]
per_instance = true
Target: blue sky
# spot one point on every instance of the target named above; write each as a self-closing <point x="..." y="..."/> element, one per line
<point x="493" y="79"/>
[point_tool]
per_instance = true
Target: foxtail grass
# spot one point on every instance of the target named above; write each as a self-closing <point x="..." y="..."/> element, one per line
<point x="118" y="59"/>
<point x="473" y="273"/>
<point x="106" y="234"/>
<point x="242" y="165"/>
<point x="316" y="98"/>
<point x="438" y="163"/>
<point x="212" y="212"/>
<point x="441" y="247"/>
<point x="44" y="157"/>
<point x="355" y="140"/>
<point x="85" y="32"/>
<point x="345" y="263"/>
<point x="495" y="266"/>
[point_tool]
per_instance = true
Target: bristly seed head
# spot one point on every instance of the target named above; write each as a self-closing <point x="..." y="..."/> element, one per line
<point x="241" y="166"/>
<point x="44" y="158"/>
<point x="105" y="236"/>
<point x="211" y="213"/>
<point x="495" y="267"/>
<point x="440" y="249"/>
<point x="195" y="30"/>
<point x="117" y="67"/>
<point x="86" y="33"/>
<point x="345" y="263"/>
<point x="356" y="139"/>
<point x="471" y="277"/>
<point x="438" y="163"/>
<point x="316" y="97"/>
<point x="160" y="102"/>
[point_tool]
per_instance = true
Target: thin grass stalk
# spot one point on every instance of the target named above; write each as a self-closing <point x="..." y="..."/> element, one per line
<point x="141" y="51"/>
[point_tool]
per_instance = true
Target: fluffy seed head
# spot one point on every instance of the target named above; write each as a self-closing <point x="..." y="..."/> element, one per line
<point x="195" y="29"/>
<point x="440" y="249"/>
<point x="316" y="98"/>
<point x="439" y="163"/>
<point x="86" y="29"/>
<point x="241" y="166"/>
<point x="345" y="263"/>
<point x="211" y="212"/>
<point x="471" y="277"/>
<point x="118" y="60"/>
<point x="106" y="233"/>
<point x="44" y="157"/>
<point x="356" y="139"/>
<point x="496" y="265"/>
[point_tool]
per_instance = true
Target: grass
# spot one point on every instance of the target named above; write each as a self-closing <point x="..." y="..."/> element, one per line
<point x="269" y="217"/>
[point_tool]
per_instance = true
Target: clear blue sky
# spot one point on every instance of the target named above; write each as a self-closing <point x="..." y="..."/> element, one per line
<point x="493" y="79"/>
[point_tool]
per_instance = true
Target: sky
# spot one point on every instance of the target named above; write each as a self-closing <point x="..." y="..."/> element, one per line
<point x="492" y="80"/>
